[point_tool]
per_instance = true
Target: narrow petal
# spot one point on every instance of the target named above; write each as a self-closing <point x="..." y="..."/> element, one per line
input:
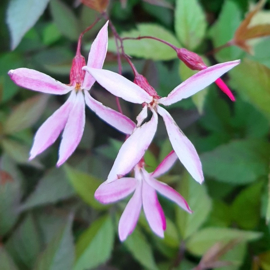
<point x="73" y="131"/>
<point x="169" y="193"/>
<point x="119" y="85"/>
<point x="182" y="146"/>
<point x="153" y="210"/>
<point x="51" y="128"/>
<point x="224" y="88"/>
<point x="131" y="214"/>
<point x="110" y="116"/>
<point x="97" y="55"/>
<point x="165" y="165"/>
<point x="109" y="192"/>
<point x="133" y="149"/>
<point x="142" y="115"/>
<point x="198" y="82"/>
<point x="37" y="81"/>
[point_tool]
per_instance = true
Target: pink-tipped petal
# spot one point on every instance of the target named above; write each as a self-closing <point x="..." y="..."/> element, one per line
<point x="224" y="88"/>
<point x="165" y="165"/>
<point x="169" y="193"/>
<point x="110" y="116"/>
<point x="133" y="149"/>
<point x="96" y="55"/>
<point x="115" y="190"/>
<point x="74" y="129"/>
<point x="37" y="81"/>
<point x="131" y="214"/>
<point x="182" y="146"/>
<point x="119" y="85"/>
<point x="51" y="128"/>
<point x="198" y="82"/>
<point x="142" y="115"/>
<point x="153" y="210"/>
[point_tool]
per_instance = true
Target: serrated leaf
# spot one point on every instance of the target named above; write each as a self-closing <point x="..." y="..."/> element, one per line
<point x="6" y="262"/>
<point x="64" y="19"/>
<point x="245" y="209"/>
<point x="147" y="48"/>
<point x="19" y="152"/>
<point x="95" y="245"/>
<point x="238" y="162"/>
<point x="141" y="250"/>
<point x="10" y="195"/>
<point x="202" y="240"/>
<point x="199" y="202"/>
<point x="252" y="75"/>
<point x="59" y="254"/>
<point x="223" y="30"/>
<point x="51" y="188"/>
<point x="85" y="185"/>
<point x="190" y="23"/>
<point x="26" y="114"/>
<point x="24" y="244"/>
<point x="21" y="16"/>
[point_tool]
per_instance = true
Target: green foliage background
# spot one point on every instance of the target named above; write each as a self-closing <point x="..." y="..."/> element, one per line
<point x="49" y="219"/>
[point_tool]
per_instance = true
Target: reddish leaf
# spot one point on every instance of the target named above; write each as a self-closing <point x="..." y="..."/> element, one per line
<point x="98" y="5"/>
<point x="245" y="32"/>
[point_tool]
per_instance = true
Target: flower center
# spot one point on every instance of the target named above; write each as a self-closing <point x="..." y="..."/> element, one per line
<point x="77" y="73"/>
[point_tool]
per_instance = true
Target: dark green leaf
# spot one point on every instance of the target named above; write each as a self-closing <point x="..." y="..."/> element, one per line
<point x="199" y="202"/>
<point x="85" y="185"/>
<point x="21" y="16"/>
<point x="141" y="250"/>
<point x="59" y="254"/>
<point x="6" y="262"/>
<point x="238" y="162"/>
<point x="53" y="187"/>
<point x="24" y="244"/>
<point x="95" y="245"/>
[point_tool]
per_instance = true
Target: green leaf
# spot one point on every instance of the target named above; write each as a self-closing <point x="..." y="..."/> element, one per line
<point x="50" y="34"/>
<point x="19" y="152"/>
<point x="268" y="201"/>
<point x="223" y="31"/>
<point x="6" y="262"/>
<point x="199" y="98"/>
<point x="24" y="244"/>
<point x="53" y="187"/>
<point x="238" y="162"/>
<point x="10" y="195"/>
<point x="251" y="75"/>
<point x="141" y="250"/>
<point x="95" y="245"/>
<point x="246" y="207"/>
<point x="26" y="114"/>
<point x="199" y="202"/>
<point x="202" y="240"/>
<point x="21" y="16"/>
<point x="148" y="48"/>
<point x="85" y="185"/>
<point x="235" y="256"/>
<point x="190" y="23"/>
<point x="64" y="19"/>
<point x="59" y="254"/>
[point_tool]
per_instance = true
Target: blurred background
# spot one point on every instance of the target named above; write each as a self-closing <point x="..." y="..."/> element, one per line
<point x="49" y="219"/>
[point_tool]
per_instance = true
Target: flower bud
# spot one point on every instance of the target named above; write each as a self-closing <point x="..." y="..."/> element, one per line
<point x="191" y="59"/>
<point x="141" y="81"/>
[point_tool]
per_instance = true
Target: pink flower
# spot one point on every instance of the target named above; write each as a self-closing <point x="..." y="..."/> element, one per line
<point x="144" y="185"/>
<point x="135" y="146"/>
<point x="70" y="117"/>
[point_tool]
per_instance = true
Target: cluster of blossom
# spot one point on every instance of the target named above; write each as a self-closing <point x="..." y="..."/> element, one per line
<point x="70" y="118"/>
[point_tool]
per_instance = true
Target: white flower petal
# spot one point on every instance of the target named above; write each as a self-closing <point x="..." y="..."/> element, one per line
<point x="133" y="149"/>
<point x="198" y="82"/>
<point x="119" y="85"/>
<point x="182" y="146"/>
<point x="110" y="116"/>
